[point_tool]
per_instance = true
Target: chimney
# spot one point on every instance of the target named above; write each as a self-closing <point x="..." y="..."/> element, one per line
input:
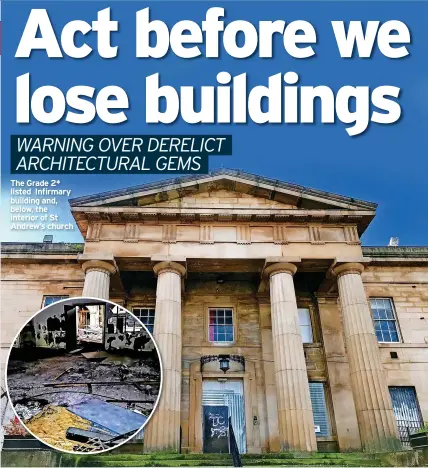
<point x="48" y="239"/>
<point x="393" y="242"/>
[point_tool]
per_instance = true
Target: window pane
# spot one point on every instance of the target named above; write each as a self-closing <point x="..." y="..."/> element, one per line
<point x="146" y="315"/>
<point x="304" y="317"/>
<point x="388" y="308"/>
<point x="384" y="320"/>
<point x="306" y="334"/>
<point x="220" y="325"/>
<point x="382" y="314"/>
<point x="305" y="325"/>
<point x="48" y="300"/>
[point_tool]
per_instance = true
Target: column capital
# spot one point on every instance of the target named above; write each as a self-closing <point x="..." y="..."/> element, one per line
<point x="282" y="267"/>
<point x="99" y="265"/>
<point x="165" y="266"/>
<point x="347" y="268"/>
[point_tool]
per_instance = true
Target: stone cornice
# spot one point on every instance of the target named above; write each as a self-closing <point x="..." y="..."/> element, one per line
<point x="273" y="186"/>
<point x="85" y="215"/>
<point x="397" y="252"/>
<point x="39" y="251"/>
<point x="41" y="248"/>
<point x="217" y="213"/>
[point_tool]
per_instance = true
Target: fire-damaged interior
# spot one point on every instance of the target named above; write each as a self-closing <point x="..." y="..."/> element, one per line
<point x="84" y="375"/>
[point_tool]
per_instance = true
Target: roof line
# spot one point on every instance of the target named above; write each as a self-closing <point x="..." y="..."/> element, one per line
<point x="231" y="172"/>
<point x="63" y="247"/>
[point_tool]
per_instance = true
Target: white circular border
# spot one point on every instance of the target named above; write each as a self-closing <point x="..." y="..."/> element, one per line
<point x="154" y="407"/>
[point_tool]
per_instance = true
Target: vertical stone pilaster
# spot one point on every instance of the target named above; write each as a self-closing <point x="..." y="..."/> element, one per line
<point x="97" y="278"/>
<point x="295" y="417"/>
<point x="163" y="430"/>
<point x="372" y="400"/>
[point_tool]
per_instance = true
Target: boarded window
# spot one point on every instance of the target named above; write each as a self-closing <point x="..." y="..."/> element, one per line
<point x="405" y="403"/>
<point x="319" y="408"/>
<point x="406" y="411"/>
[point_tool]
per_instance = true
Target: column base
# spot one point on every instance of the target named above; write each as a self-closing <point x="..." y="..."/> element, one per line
<point x="163" y="433"/>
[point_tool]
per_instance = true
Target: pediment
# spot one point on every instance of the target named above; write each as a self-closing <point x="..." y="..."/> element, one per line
<point x="217" y="197"/>
<point x="226" y="188"/>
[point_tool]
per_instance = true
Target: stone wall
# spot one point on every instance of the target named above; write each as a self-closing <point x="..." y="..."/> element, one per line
<point x="407" y="286"/>
<point x="23" y="286"/>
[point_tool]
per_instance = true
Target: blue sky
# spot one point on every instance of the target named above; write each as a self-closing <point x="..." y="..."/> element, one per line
<point x="387" y="164"/>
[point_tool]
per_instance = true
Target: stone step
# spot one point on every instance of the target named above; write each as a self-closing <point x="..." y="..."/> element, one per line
<point x="200" y="463"/>
<point x="217" y="456"/>
<point x="224" y="460"/>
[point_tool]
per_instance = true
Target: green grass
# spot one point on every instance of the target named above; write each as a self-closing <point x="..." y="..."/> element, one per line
<point x="117" y="459"/>
<point x="265" y="462"/>
<point x="198" y="459"/>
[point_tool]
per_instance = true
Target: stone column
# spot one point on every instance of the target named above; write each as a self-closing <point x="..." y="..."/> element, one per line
<point x="345" y="414"/>
<point x="163" y="430"/>
<point x="372" y="399"/>
<point x="97" y="278"/>
<point x="296" y="423"/>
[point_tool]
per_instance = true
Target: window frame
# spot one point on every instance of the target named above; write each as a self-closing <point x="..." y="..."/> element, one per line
<point x="395" y="319"/>
<point x="329" y="410"/>
<point x="234" y="325"/>
<point x="311" y="322"/>
<point x="418" y="406"/>
<point x="45" y="296"/>
<point x="139" y="318"/>
<point x="304" y="303"/>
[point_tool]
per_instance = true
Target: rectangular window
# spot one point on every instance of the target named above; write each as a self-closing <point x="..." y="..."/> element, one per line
<point x="146" y="315"/>
<point x="305" y="325"/>
<point x="221" y="325"/>
<point x="406" y="411"/>
<point x="384" y="320"/>
<point x="319" y="409"/>
<point x="48" y="300"/>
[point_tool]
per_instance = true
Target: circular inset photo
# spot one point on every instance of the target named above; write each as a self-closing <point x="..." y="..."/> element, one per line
<point x="84" y="375"/>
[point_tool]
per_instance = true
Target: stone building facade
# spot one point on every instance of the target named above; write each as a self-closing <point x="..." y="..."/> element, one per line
<point x="326" y="341"/>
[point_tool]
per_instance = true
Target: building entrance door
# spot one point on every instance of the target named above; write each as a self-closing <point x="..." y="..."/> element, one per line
<point x="221" y="399"/>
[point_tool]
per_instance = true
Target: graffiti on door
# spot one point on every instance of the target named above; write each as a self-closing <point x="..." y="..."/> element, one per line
<point x="216" y="431"/>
